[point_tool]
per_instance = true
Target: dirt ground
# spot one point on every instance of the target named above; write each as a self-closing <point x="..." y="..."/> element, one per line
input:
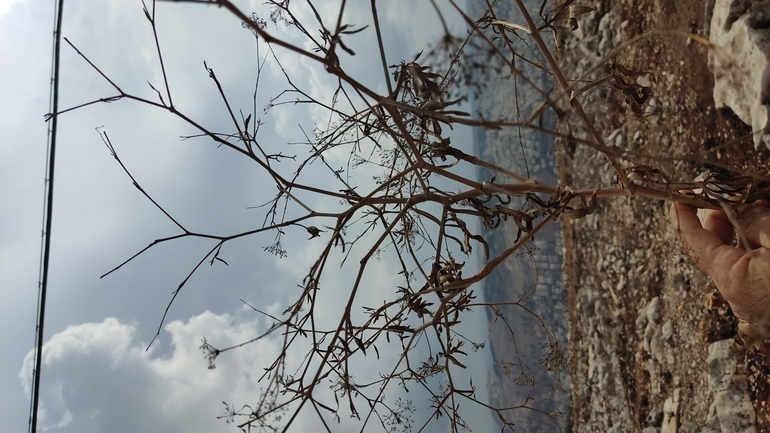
<point x="635" y="340"/>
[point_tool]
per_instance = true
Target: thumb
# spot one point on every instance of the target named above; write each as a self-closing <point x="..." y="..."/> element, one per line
<point x="754" y="221"/>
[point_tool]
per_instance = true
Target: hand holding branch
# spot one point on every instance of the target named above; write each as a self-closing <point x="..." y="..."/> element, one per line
<point x="741" y="272"/>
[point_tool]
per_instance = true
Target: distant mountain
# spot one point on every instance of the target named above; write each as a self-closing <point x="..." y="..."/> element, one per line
<point x="534" y="278"/>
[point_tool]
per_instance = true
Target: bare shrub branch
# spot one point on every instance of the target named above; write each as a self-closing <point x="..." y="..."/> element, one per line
<point x="419" y="210"/>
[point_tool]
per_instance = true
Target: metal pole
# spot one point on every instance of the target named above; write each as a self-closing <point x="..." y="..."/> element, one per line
<point x="48" y="209"/>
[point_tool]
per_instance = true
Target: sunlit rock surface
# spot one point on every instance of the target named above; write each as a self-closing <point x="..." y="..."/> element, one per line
<point x="740" y="33"/>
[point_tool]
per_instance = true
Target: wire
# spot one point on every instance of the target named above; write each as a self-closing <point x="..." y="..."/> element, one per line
<point x="45" y="254"/>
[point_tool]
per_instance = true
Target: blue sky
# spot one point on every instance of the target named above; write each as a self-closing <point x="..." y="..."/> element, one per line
<point x="97" y="375"/>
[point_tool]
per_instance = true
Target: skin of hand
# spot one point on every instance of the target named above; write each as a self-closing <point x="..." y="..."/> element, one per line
<point x="742" y="277"/>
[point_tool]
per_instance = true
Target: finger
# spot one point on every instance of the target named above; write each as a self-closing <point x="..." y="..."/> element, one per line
<point x="704" y="245"/>
<point x="680" y="212"/>
<point x="717" y="222"/>
<point x="754" y="220"/>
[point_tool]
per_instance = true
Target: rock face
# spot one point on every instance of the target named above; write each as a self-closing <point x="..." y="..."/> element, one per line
<point x="731" y="410"/>
<point x="740" y="32"/>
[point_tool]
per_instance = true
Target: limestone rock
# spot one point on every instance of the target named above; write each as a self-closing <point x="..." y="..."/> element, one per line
<point x="734" y="410"/>
<point x="656" y="346"/>
<point x="671" y="413"/>
<point x="641" y="322"/>
<point x="654" y="310"/>
<point x="740" y="32"/>
<point x="721" y="364"/>
<point x="731" y="410"/>
<point x="668" y="330"/>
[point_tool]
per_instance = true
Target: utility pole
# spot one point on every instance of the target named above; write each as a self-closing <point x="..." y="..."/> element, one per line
<point x="48" y="214"/>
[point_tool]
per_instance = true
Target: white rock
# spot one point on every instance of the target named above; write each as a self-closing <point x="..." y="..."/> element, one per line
<point x="671" y="413"/>
<point x="712" y="421"/>
<point x="621" y="284"/>
<point x="654" y="310"/>
<point x="670" y="356"/>
<point x="721" y="364"/>
<point x="641" y="322"/>
<point x="732" y="404"/>
<point x="734" y="410"/>
<point x="656" y="346"/>
<point x="668" y="330"/>
<point x="649" y="331"/>
<point x="740" y="63"/>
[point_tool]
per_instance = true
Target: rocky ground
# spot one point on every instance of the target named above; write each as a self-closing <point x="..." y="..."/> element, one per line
<point x="646" y="355"/>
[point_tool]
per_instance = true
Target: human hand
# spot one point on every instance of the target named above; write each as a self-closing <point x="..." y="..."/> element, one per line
<point x="742" y="277"/>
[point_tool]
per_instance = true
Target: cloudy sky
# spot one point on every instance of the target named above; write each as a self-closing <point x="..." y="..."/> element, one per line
<point x="97" y="375"/>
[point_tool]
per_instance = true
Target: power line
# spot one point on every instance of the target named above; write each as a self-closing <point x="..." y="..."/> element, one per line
<point x="53" y="105"/>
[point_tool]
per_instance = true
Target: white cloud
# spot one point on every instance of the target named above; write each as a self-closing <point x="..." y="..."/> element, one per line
<point x="5" y="5"/>
<point x="99" y="375"/>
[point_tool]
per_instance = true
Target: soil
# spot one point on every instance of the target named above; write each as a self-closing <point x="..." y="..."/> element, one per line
<point x="638" y="329"/>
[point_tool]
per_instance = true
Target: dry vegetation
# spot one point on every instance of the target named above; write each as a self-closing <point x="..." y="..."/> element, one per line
<point x="625" y="254"/>
<point x="424" y="225"/>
